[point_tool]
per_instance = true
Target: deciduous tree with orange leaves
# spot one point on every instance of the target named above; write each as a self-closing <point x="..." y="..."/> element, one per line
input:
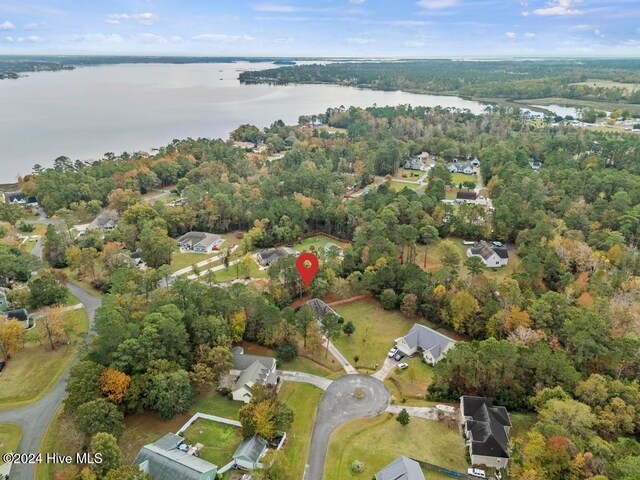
<point x="114" y="384"/>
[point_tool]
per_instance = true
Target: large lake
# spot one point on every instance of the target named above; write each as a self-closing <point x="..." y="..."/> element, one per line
<point x="86" y="112"/>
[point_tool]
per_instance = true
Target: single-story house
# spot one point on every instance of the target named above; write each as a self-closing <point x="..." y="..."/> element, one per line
<point x="535" y="165"/>
<point x="247" y="456"/>
<point x="18" y="197"/>
<point x="333" y="247"/>
<point x="402" y="468"/>
<point x="199" y="242"/>
<point x="251" y="370"/>
<point x="319" y="308"/>
<point x="420" y="339"/>
<point x="486" y="427"/>
<point x="491" y="255"/>
<point x="461" y="167"/>
<point x="106" y="220"/>
<point x="270" y="256"/>
<point x="466" y="196"/>
<point x="167" y="459"/>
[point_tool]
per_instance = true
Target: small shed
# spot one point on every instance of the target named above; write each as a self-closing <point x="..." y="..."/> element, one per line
<point x="249" y="453"/>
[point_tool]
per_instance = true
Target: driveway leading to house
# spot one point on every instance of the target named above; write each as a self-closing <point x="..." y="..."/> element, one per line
<point x="338" y="405"/>
<point x="388" y="365"/>
<point x="322" y="383"/>
<point x="429" y="413"/>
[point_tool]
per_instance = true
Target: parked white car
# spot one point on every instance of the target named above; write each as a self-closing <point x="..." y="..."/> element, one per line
<point x="403" y="366"/>
<point x="476" y="472"/>
<point x="392" y="352"/>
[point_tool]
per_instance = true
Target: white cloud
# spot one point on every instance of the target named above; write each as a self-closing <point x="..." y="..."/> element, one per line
<point x="587" y="28"/>
<point x="146" y="18"/>
<point x="221" y="38"/>
<point x="356" y="2"/>
<point x="360" y="41"/>
<point x="176" y="39"/>
<point x="31" y="26"/>
<point x="510" y="35"/>
<point x="8" y="39"/>
<point x="415" y="43"/>
<point x="31" y="39"/>
<point x="7" y="25"/>
<point x="274" y="8"/>
<point x="529" y="35"/>
<point x="558" y="7"/>
<point x="98" y="38"/>
<point x="436" y="4"/>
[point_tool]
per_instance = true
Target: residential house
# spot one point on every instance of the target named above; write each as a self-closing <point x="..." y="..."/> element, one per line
<point x="491" y="256"/>
<point x="475" y="162"/>
<point x="18" y="197"/>
<point x="535" y="165"/>
<point x="251" y="370"/>
<point x="107" y="220"/>
<point x="331" y="247"/>
<point x="167" y="459"/>
<point x="467" y="196"/>
<point x="402" y="468"/>
<point x="248" y="146"/>
<point x="461" y="167"/>
<point x="270" y="256"/>
<point x="320" y="309"/>
<point x="200" y="242"/>
<point x="486" y="427"/>
<point x="19" y="314"/>
<point x="431" y="344"/>
<point x="247" y="456"/>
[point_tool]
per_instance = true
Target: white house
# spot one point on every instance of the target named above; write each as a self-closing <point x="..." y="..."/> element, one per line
<point x="491" y="256"/>
<point x="486" y="427"/>
<point x="431" y="344"/>
<point x="199" y="242"/>
<point x="251" y="370"/>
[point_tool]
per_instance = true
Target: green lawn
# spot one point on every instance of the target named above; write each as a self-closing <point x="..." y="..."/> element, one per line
<point x="303" y="399"/>
<point x="145" y="428"/>
<point x="458" y="178"/>
<point x="409" y="174"/>
<point x="399" y="186"/>
<point x="410" y="384"/>
<point x="10" y="434"/>
<point x="234" y="272"/>
<point x="182" y="260"/>
<point x="219" y="440"/>
<point x="35" y="369"/>
<point x="376" y="441"/>
<point x="315" y="244"/>
<point x="376" y="330"/>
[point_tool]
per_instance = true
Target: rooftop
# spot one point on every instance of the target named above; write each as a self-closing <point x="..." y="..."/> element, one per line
<point x="402" y="468"/>
<point x="486" y="426"/>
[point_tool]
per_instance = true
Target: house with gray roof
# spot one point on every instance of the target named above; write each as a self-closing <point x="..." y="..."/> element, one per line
<point x="269" y="256"/>
<point x="320" y="309"/>
<point x="167" y="459"/>
<point x="251" y="370"/>
<point x="402" y="468"/>
<point x="199" y="242"/>
<point x="486" y="427"/>
<point x="247" y="456"/>
<point x="431" y="344"/>
<point x="491" y="255"/>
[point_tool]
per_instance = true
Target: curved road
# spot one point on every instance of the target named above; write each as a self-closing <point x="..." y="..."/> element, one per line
<point x="339" y="405"/>
<point x="35" y="418"/>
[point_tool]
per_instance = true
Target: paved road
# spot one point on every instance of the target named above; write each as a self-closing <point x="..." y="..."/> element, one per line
<point x="319" y="382"/>
<point x="35" y="418"/>
<point x="388" y="365"/>
<point x="339" y="405"/>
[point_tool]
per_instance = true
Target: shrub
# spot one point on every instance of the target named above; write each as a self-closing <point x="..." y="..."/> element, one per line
<point x="287" y="352"/>
<point x="389" y="299"/>
<point x="357" y="466"/>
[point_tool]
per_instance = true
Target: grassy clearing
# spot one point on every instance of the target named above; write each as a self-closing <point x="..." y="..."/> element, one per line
<point x="181" y="260"/>
<point x="10" y="434"/>
<point x="315" y="244"/>
<point x="377" y="441"/>
<point x="35" y="369"/>
<point x="409" y="174"/>
<point x="399" y="186"/>
<point x="458" y="178"/>
<point x="410" y="384"/>
<point x="376" y="330"/>
<point x="219" y="440"/>
<point x="303" y="399"/>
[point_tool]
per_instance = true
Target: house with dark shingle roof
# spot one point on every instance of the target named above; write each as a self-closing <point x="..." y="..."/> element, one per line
<point x="251" y="370"/>
<point x="486" y="427"/>
<point x="167" y="459"/>
<point x="466" y="196"/>
<point x="270" y="256"/>
<point x="320" y="309"/>
<point x="420" y="339"/>
<point x="402" y="468"/>
<point x="247" y="456"/>
<point x="491" y="256"/>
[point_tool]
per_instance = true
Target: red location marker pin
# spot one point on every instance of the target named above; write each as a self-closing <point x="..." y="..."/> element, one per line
<point x="307" y="273"/>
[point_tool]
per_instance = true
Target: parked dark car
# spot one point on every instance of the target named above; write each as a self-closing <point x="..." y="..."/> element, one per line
<point x="399" y="356"/>
<point x="2" y="365"/>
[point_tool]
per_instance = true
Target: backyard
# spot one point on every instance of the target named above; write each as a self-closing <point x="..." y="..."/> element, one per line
<point x="411" y="384"/>
<point x="10" y="434"/>
<point x="459" y="178"/>
<point x="316" y="243"/>
<point x="35" y="369"/>
<point x="303" y="399"/>
<point x="376" y="330"/>
<point x="180" y="260"/>
<point x="219" y="440"/>
<point x="321" y="366"/>
<point x="376" y="441"/>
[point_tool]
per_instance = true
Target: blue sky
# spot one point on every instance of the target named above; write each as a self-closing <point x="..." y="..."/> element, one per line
<point x="408" y="28"/>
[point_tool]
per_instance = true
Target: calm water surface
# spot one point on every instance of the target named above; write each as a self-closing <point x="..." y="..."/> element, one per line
<point x="86" y="112"/>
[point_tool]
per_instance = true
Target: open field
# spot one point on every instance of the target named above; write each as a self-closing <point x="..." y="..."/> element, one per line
<point x="181" y="260"/>
<point x="629" y="87"/>
<point x="219" y="440"/>
<point x="10" y="434"/>
<point x="410" y="384"/>
<point x="458" y="178"/>
<point x="35" y="369"/>
<point x="376" y="330"/>
<point x="376" y="441"/>
<point x="399" y="186"/>
<point x="409" y="174"/>
<point x="303" y="399"/>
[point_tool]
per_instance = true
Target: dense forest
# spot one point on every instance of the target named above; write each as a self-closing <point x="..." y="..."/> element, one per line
<point x="479" y="79"/>
<point x="560" y="336"/>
